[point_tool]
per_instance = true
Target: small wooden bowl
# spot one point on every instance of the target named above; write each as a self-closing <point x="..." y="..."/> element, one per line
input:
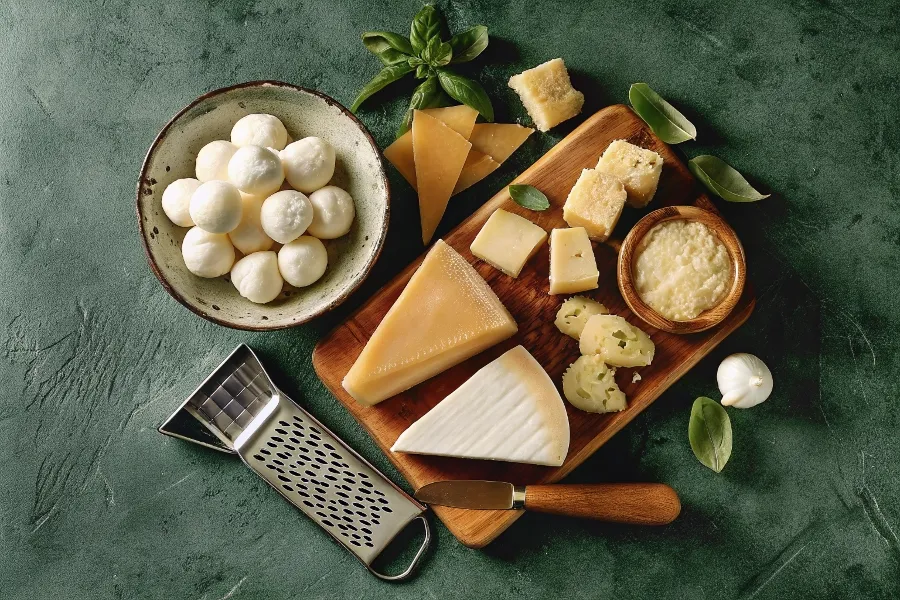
<point x="708" y="318"/>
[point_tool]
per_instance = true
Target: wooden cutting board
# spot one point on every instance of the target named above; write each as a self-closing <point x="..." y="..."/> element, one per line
<point x="534" y="311"/>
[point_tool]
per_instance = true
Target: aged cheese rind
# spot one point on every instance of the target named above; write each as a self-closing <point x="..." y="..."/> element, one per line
<point x="478" y="166"/>
<point x="509" y="410"/>
<point x="638" y="169"/>
<point x="446" y="314"/>
<point x="595" y="202"/>
<point x="506" y="241"/>
<point x="573" y="267"/>
<point x="498" y="140"/>
<point x="547" y="93"/>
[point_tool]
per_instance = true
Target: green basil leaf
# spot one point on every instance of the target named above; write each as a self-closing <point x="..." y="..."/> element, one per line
<point x="469" y="44"/>
<point x="709" y="432"/>
<point x="427" y="95"/>
<point x="426" y="24"/>
<point x="415" y="61"/>
<point x="390" y="48"/>
<point x="424" y="71"/>
<point x="528" y="196"/>
<point x="723" y="180"/>
<point x="437" y="53"/>
<point x="385" y="77"/>
<point x="671" y="126"/>
<point x="468" y="92"/>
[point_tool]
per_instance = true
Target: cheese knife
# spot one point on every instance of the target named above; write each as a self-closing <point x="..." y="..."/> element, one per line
<point x="632" y="503"/>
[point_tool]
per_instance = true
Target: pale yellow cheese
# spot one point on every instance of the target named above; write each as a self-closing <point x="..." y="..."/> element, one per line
<point x="618" y="342"/>
<point x="547" y="93"/>
<point x="440" y="153"/>
<point x="498" y="140"/>
<point x="595" y="203"/>
<point x="638" y="169"/>
<point x="460" y="119"/>
<point x="573" y="267"/>
<point x="446" y="314"/>
<point x="478" y="166"/>
<point x="507" y="241"/>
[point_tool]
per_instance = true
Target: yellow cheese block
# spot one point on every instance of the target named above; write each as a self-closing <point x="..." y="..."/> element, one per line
<point x="507" y="241"/>
<point x="440" y="153"/>
<point x="573" y="267"/>
<point x="595" y="202"/>
<point x="478" y="166"/>
<point x="547" y="93"/>
<point x="446" y="314"/>
<point x="498" y="140"/>
<point x="460" y="119"/>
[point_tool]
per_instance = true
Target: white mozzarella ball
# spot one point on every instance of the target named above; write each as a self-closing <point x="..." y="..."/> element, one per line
<point x="255" y="170"/>
<point x="303" y="261"/>
<point x="207" y="254"/>
<point x="286" y="215"/>
<point x="308" y="164"/>
<point x="216" y="206"/>
<point x="333" y="213"/>
<point x="256" y="277"/>
<point x="248" y="236"/>
<point x="259" y="130"/>
<point x="212" y="161"/>
<point x="176" y="201"/>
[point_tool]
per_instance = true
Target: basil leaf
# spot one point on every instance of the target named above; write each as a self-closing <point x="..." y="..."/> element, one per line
<point x="671" y="126"/>
<point x="709" y="432"/>
<point x="390" y="48"/>
<point x="468" y="92"/>
<point x="426" y="24"/>
<point x="385" y="77"/>
<point x="427" y="95"/>
<point x="437" y="53"/>
<point x="528" y="196"/>
<point x="424" y="71"/>
<point x="723" y="180"/>
<point x="469" y="44"/>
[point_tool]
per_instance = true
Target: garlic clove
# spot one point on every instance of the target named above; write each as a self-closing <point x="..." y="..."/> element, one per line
<point x="744" y="380"/>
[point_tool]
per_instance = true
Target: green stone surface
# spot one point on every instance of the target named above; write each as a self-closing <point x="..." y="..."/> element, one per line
<point x="94" y="503"/>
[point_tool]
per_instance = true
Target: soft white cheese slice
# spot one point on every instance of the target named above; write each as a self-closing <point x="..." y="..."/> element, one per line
<point x="509" y="410"/>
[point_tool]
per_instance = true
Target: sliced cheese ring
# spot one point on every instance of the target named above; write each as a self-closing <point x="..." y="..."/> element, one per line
<point x="478" y="166"/>
<point x="498" y="140"/>
<point x="509" y="410"/>
<point x="446" y="314"/>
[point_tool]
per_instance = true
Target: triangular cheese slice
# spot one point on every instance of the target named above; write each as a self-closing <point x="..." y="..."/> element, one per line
<point x="440" y="153"/>
<point x="478" y="166"/>
<point x="509" y="410"/>
<point x="446" y="314"/>
<point x="498" y="140"/>
<point x="460" y="119"/>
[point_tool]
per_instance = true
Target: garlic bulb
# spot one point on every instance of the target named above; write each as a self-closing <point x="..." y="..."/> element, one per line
<point x="744" y="380"/>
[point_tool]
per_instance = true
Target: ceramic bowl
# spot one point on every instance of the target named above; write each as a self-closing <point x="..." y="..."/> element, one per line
<point x="708" y="318"/>
<point x="359" y="170"/>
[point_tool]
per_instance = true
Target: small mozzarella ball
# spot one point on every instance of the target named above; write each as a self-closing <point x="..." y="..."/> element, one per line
<point x="248" y="236"/>
<point x="255" y="170"/>
<point x="308" y="164"/>
<point x="259" y="130"/>
<point x="176" y="201"/>
<point x="333" y="213"/>
<point x="286" y="215"/>
<point x="303" y="261"/>
<point x="212" y="161"/>
<point x="207" y="254"/>
<point x="256" y="277"/>
<point x="216" y="206"/>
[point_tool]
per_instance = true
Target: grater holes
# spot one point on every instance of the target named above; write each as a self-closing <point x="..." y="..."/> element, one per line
<point x="277" y="439"/>
<point x="309" y="504"/>
<point x="310" y="473"/>
<point x="329" y="446"/>
<point x="287" y="487"/>
<point x="259" y="457"/>
<point x="378" y="492"/>
<point x="312" y="443"/>
<point x="271" y="444"/>
<point x="294" y="440"/>
<point x="284" y="455"/>
<point x="284" y="424"/>
<point x="303" y="493"/>
<point x="368" y="484"/>
<point x="278" y="462"/>
<point x="284" y="479"/>
<point x="264" y="451"/>
<point x="289" y="447"/>
<point x="383" y="501"/>
<point x="319" y="452"/>
<point x="343" y="503"/>
<point x="281" y="431"/>
<point x="327" y="523"/>
<point x="331" y="478"/>
<point x="367" y="531"/>
<point x="336" y="455"/>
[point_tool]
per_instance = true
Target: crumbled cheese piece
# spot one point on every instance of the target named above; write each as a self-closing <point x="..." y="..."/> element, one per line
<point x="547" y="94"/>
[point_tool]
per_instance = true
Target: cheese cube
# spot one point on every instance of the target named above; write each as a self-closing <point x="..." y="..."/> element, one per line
<point x="638" y="169"/>
<point x="547" y="93"/>
<point x="573" y="267"/>
<point x="507" y="241"/>
<point x="595" y="203"/>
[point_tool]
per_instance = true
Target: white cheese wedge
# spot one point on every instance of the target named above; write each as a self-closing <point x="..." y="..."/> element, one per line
<point x="573" y="267"/>
<point x="446" y="314"/>
<point x="509" y="410"/>
<point x="507" y="241"/>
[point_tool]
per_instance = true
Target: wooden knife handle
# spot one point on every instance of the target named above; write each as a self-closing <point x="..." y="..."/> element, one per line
<point x="632" y="503"/>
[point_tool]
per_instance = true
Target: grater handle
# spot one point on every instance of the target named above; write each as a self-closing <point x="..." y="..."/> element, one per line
<point x="426" y="543"/>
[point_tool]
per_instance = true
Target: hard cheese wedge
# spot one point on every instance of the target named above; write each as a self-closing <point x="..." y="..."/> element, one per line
<point x="573" y="267"/>
<point x="507" y="241"/>
<point x="498" y="140"/>
<point x="478" y="166"/>
<point x="460" y="119"/>
<point x="446" y="314"/>
<point x="440" y="153"/>
<point x="509" y="410"/>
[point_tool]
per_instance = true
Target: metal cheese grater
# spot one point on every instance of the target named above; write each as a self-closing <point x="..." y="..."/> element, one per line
<point x="239" y="410"/>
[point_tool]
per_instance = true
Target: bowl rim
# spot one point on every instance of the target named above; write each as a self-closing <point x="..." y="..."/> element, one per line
<point x="143" y="188"/>
<point x="708" y="318"/>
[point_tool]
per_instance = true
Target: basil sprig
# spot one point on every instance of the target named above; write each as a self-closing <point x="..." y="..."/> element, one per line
<point x="528" y="196"/>
<point x="428" y="55"/>
<point x="709" y="432"/>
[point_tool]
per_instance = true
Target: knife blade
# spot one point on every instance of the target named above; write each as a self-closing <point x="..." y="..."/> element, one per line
<point x="633" y="503"/>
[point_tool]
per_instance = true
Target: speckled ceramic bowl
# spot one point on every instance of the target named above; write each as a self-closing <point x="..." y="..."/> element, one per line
<point x="304" y="112"/>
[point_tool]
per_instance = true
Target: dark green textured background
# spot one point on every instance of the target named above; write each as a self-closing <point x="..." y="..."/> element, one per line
<point x="94" y="503"/>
